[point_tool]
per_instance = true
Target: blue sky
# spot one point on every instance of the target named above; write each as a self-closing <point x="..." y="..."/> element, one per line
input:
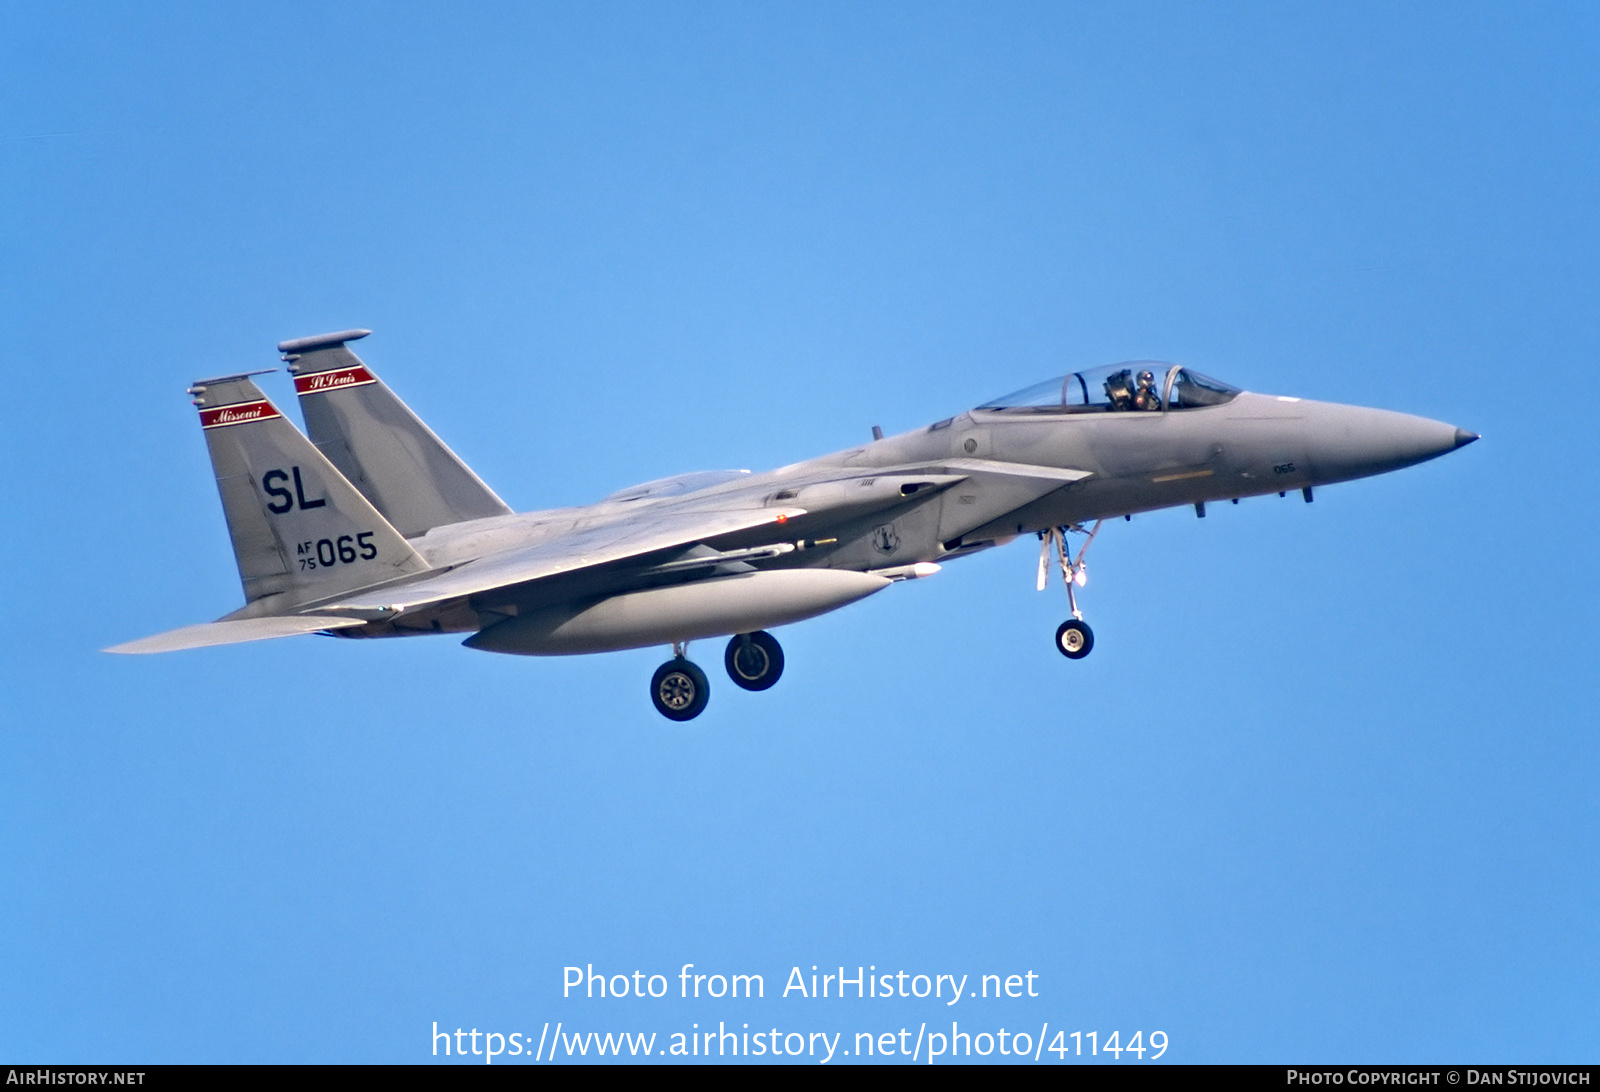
<point x="1324" y="791"/>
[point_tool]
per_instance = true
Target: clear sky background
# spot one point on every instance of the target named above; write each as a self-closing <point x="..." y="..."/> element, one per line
<point x="1326" y="789"/>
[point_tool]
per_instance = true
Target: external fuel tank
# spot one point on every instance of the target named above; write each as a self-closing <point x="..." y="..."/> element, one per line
<point x="680" y="612"/>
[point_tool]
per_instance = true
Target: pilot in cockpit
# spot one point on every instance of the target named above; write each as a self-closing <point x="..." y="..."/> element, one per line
<point x="1145" y="397"/>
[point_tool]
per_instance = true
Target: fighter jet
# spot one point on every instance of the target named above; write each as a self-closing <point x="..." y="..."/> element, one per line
<point x="368" y="526"/>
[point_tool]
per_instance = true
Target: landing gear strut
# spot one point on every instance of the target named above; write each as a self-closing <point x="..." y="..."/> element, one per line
<point x="1074" y="638"/>
<point x="754" y="660"/>
<point x="679" y="689"/>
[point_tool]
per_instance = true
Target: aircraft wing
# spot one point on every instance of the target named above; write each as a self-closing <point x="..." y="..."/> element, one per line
<point x="689" y="523"/>
<point x="232" y="632"/>
<point x="649" y="532"/>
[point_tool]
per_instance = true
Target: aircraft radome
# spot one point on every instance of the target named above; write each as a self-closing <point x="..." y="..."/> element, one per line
<point x="372" y="527"/>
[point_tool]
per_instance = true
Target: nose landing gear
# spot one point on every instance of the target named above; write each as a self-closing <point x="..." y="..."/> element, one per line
<point x="1074" y="638"/>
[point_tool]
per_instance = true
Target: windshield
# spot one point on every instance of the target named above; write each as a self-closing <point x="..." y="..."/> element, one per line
<point x="1140" y="386"/>
<point x="1193" y="389"/>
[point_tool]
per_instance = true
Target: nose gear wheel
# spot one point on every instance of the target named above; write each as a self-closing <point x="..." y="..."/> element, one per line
<point x="1074" y="639"/>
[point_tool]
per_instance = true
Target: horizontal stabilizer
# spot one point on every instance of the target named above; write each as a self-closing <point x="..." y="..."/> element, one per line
<point x="231" y="633"/>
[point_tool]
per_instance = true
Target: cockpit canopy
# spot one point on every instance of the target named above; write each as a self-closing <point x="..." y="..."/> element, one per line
<point x="1134" y="386"/>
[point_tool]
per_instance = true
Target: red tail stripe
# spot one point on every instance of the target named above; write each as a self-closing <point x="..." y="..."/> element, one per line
<point x="238" y="414"/>
<point x="318" y="382"/>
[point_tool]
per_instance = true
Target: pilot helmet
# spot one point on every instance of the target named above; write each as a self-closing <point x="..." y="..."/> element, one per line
<point x="1147" y="376"/>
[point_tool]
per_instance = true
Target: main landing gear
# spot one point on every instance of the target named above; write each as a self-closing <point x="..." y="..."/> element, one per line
<point x="680" y="690"/>
<point x="754" y="660"/>
<point x="1074" y="638"/>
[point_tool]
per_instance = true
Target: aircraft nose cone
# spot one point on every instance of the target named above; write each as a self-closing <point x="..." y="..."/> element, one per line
<point x="1347" y="442"/>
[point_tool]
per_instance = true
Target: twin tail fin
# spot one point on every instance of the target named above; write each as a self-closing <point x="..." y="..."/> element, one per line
<point x="315" y="519"/>
<point x="301" y="532"/>
<point x="375" y="440"/>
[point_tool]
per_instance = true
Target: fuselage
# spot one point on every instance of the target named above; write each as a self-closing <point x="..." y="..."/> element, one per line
<point x="949" y="489"/>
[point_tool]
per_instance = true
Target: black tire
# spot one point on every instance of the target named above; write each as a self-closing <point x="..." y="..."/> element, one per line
<point x="754" y="660"/>
<point x="679" y="690"/>
<point x="1074" y="639"/>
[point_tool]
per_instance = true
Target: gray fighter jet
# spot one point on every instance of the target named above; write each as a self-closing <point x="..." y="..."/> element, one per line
<point x="372" y="527"/>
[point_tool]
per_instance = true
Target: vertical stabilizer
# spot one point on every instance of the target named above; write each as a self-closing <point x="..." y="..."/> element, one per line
<point x="378" y="443"/>
<point x="300" y="530"/>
